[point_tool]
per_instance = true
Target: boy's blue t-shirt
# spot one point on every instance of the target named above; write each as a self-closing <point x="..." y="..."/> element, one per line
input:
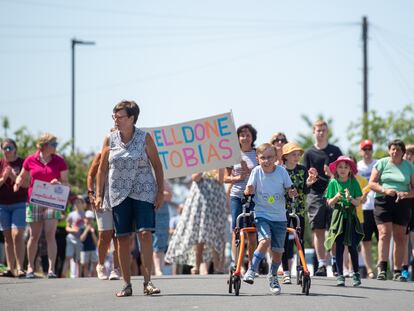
<point x="269" y="192"/>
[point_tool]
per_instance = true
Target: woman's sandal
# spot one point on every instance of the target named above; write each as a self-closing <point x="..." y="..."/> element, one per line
<point x="371" y="275"/>
<point x="21" y="274"/>
<point x="195" y="271"/>
<point x="7" y="274"/>
<point x="125" y="292"/>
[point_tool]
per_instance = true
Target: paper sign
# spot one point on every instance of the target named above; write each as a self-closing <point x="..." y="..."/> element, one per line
<point x="49" y="195"/>
<point x="197" y="146"/>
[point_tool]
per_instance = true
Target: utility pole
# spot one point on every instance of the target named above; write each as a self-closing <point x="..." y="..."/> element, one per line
<point x="74" y="42"/>
<point x="365" y="77"/>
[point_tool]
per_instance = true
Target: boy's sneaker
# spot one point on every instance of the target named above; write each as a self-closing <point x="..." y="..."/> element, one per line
<point x="321" y="271"/>
<point x="101" y="272"/>
<point x="114" y="275"/>
<point x="286" y="279"/>
<point x="249" y="276"/>
<point x="398" y="277"/>
<point x="274" y="286"/>
<point x="340" y="280"/>
<point x="356" y="279"/>
<point x="382" y="275"/>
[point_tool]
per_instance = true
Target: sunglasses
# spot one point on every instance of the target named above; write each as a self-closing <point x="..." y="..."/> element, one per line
<point x="367" y="149"/>
<point x="8" y="148"/>
<point x="115" y="117"/>
<point x="53" y="144"/>
<point x="280" y="140"/>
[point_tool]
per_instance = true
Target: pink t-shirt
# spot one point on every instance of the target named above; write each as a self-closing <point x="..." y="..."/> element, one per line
<point x="43" y="172"/>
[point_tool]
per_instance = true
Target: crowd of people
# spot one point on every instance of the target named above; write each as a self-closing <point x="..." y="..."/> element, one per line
<point x="128" y="223"/>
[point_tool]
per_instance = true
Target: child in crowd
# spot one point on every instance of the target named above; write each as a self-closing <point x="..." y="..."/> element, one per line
<point x="344" y="195"/>
<point x="88" y="256"/>
<point x="74" y="223"/>
<point x="269" y="183"/>
<point x="302" y="179"/>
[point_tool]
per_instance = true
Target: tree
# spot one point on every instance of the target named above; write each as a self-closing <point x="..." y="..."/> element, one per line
<point x="78" y="162"/>
<point x="382" y="129"/>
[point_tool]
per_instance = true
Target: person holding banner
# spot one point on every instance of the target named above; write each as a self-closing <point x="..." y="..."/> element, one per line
<point x="129" y="156"/>
<point x="12" y="208"/>
<point x="44" y="165"/>
<point x="202" y="223"/>
<point x="238" y="176"/>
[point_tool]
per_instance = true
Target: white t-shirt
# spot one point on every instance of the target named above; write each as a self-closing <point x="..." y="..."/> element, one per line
<point x="365" y="171"/>
<point x="269" y="192"/>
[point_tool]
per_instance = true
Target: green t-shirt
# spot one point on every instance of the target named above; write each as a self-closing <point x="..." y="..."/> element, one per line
<point x="335" y="185"/>
<point x="393" y="176"/>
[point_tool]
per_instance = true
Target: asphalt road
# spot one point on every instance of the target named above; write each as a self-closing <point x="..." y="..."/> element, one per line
<point x="210" y="292"/>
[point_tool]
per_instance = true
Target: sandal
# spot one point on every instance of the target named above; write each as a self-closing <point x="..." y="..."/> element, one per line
<point x="21" y="274"/>
<point x="150" y="289"/>
<point x="371" y="275"/>
<point x="125" y="292"/>
<point x="30" y="275"/>
<point x="7" y="274"/>
<point x="195" y="271"/>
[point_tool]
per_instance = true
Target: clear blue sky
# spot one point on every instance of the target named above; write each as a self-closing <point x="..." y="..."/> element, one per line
<point x="268" y="61"/>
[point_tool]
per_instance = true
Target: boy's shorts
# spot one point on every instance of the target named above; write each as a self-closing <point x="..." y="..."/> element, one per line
<point x="88" y="256"/>
<point x="37" y="213"/>
<point x="273" y="230"/>
<point x="12" y="216"/>
<point x="104" y="220"/>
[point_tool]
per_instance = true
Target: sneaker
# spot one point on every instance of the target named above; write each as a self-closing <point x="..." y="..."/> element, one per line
<point x="150" y="289"/>
<point x="321" y="271"/>
<point x="274" y="286"/>
<point x="405" y="274"/>
<point x="51" y="275"/>
<point x="382" y="275"/>
<point x="286" y="279"/>
<point x="340" y="280"/>
<point x="398" y="277"/>
<point x="101" y="272"/>
<point x="114" y="275"/>
<point x="30" y="275"/>
<point x="356" y="279"/>
<point x="249" y="276"/>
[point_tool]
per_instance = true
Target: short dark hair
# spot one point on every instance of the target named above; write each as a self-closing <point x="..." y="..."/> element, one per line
<point x="130" y="107"/>
<point x="398" y="143"/>
<point x="10" y="141"/>
<point x="250" y="128"/>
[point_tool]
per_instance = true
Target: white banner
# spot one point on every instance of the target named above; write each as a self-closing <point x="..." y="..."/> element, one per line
<point x="197" y="146"/>
<point x="48" y="195"/>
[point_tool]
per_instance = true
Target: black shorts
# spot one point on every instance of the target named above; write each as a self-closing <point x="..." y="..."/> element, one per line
<point x="387" y="210"/>
<point x="369" y="226"/>
<point x="411" y="224"/>
<point x="319" y="212"/>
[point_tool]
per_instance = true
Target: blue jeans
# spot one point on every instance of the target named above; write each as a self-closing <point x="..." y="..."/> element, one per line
<point x="273" y="230"/>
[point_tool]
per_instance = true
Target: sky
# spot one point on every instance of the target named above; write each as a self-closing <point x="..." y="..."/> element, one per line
<point x="267" y="61"/>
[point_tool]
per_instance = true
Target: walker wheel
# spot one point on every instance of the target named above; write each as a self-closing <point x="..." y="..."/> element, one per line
<point x="306" y="285"/>
<point x="230" y="281"/>
<point x="237" y="284"/>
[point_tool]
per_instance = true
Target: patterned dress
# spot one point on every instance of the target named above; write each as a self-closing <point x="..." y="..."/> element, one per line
<point x="203" y="220"/>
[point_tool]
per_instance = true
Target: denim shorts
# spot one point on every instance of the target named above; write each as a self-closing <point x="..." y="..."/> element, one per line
<point x="236" y="209"/>
<point x="12" y="216"/>
<point x="133" y="216"/>
<point x="273" y="230"/>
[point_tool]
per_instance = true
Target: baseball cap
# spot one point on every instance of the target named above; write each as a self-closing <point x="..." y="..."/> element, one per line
<point x="365" y="143"/>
